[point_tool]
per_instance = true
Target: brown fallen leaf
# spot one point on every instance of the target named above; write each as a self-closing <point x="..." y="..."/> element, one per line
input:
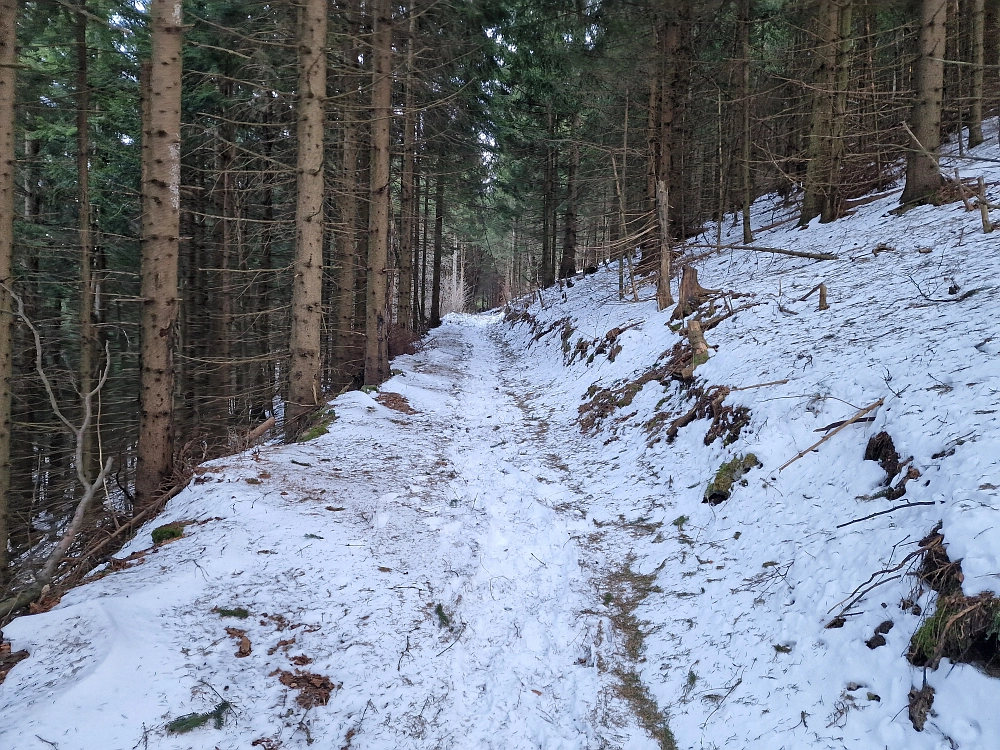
<point x="314" y="689"/>
<point x="241" y="635"/>
<point x="301" y="660"/>
<point x="536" y="692"/>
<point x="281" y="644"/>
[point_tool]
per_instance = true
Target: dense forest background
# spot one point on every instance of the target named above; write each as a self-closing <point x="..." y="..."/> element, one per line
<point x="433" y="156"/>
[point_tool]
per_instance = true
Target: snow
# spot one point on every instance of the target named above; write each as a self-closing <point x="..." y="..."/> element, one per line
<point x="490" y="502"/>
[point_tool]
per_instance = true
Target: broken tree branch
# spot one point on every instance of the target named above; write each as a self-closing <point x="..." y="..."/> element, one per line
<point x="823" y="439"/>
<point x="883" y="512"/>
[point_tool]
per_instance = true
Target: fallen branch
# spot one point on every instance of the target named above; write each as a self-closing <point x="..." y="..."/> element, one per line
<point x="775" y="250"/>
<point x="453" y="642"/>
<point x="883" y="512"/>
<point x="838" y="424"/>
<point x="759" y="385"/>
<point x="823" y="439"/>
<point x="960" y="298"/>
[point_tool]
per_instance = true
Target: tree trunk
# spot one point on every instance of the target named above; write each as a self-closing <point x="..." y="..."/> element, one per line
<point x="991" y="37"/>
<point x="415" y="247"/>
<point x="377" y="302"/>
<point x="347" y="266"/>
<point x="664" y="298"/>
<point x="826" y="130"/>
<point x="438" y="247"/>
<point x="404" y="314"/>
<point x="307" y="267"/>
<point x="8" y="78"/>
<point x="743" y="30"/>
<point x="833" y="201"/>
<point x="220" y="366"/>
<point x="425" y="229"/>
<point x="567" y="265"/>
<point x="923" y="176"/>
<point x="160" y="238"/>
<point x="547" y="273"/>
<point x="978" y="53"/>
<point x="89" y="346"/>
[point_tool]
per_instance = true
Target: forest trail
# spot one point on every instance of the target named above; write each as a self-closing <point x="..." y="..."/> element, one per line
<point x="431" y="564"/>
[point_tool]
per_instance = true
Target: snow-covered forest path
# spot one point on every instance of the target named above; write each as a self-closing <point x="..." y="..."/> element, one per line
<point x="430" y="564"/>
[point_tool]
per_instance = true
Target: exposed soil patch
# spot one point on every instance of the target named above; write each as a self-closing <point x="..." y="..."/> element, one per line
<point x="9" y="659"/>
<point x="880" y="448"/>
<point x="396" y="402"/>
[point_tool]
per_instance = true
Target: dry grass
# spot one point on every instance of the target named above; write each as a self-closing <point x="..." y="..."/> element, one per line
<point x="625" y="589"/>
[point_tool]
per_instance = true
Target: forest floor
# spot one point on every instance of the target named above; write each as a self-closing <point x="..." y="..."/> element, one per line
<point x="504" y="547"/>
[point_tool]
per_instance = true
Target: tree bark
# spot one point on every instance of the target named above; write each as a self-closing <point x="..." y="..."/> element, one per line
<point x="923" y="176"/>
<point x="307" y="267"/>
<point x="8" y="60"/>
<point x="160" y="238"/>
<point x="377" y="303"/>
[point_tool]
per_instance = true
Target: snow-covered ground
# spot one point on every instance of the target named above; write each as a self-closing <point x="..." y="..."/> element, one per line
<point x="482" y="573"/>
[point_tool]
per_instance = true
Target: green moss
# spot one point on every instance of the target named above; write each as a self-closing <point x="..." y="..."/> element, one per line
<point x="443" y="620"/>
<point x="729" y="473"/>
<point x="238" y="612"/>
<point x="321" y="425"/>
<point x="313" y="432"/>
<point x="167" y="532"/>
<point x="369" y="389"/>
<point x="189" y="722"/>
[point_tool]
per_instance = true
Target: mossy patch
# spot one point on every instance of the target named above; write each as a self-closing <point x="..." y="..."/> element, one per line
<point x="167" y="532"/>
<point x="443" y="619"/>
<point x="319" y="427"/>
<point x="189" y="722"/>
<point x="731" y="472"/>
<point x="239" y="613"/>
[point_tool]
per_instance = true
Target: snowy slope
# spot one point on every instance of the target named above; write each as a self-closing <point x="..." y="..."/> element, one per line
<point x="737" y="646"/>
<point x="482" y="573"/>
<point x="422" y="571"/>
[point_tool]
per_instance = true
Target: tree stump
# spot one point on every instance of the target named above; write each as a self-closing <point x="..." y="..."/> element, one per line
<point x="691" y="294"/>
